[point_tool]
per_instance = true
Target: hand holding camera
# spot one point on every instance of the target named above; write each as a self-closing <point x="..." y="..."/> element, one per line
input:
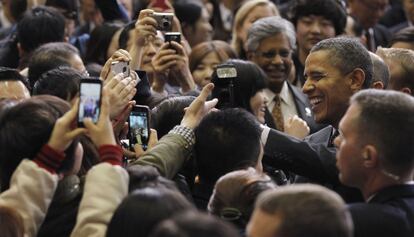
<point x="145" y="27"/>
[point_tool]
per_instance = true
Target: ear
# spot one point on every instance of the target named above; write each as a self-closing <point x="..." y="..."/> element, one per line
<point x="406" y="90"/>
<point x="357" y="79"/>
<point x="378" y="85"/>
<point x="370" y="156"/>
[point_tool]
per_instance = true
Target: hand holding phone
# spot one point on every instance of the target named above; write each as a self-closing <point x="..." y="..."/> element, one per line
<point x="90" y="91"/>
<point x="139" y="126"/>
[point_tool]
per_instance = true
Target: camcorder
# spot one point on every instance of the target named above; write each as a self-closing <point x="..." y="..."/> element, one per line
<point x="224" y="85"/>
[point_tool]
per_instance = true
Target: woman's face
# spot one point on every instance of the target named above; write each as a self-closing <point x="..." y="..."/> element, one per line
<point x="202" y="73"/>
<point x="258" y="106"/>
<point x="255" y="14"/>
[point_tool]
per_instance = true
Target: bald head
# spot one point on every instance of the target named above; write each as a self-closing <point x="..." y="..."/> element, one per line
<point x="381" y="73"/>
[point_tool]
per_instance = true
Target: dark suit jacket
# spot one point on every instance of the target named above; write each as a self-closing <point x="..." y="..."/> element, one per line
<point x="389" y="213"/>
<point x="312" y="158"/>
<point x="399" y="27"/>
<point x="302" y="106"/>
<point x="382" y="35"/>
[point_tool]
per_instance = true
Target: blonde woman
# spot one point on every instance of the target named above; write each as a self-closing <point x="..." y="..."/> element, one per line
<point x="247" y="14"/>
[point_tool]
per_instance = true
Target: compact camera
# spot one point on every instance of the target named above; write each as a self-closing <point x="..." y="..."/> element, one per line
<point x="164" y="21"/>
<point x="224" y="86"/>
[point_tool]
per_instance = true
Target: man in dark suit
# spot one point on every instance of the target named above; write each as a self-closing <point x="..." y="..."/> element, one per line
<point x="270" y="43"/>
<point x="368" y="14"/>
<point x="376" y="155"/>
<point x="335" y="69"/>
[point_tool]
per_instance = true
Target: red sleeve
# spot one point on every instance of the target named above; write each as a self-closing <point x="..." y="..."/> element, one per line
<point x="49" y="159"/>
<point x="111" y="154"/>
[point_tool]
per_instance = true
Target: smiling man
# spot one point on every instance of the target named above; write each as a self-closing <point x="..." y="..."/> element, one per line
<point x="335" y="69"/>
<point x="376" y="155"/>
<point x="270" y="43"/>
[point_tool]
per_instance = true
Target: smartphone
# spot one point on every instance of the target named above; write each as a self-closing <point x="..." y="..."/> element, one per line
<point x="118" y="67"/>
<point x="139" y="126"/>
<point x="161" y="4"/>
<point x="90" y="91"/>
<point x="173" y="36"/>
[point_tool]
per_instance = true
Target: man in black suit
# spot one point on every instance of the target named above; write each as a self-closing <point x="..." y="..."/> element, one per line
<point x="376" y="155"/>
<point x="368" y="14"/>
<point x="270" y="43"/>
<point x="335" y="69"/>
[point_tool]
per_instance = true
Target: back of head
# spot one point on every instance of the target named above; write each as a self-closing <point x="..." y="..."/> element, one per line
<point x="11" y="74"/>
<point x="226" y="141"/>
<point x="25" y="128"/>
<point x="347" y="54"/>
<point x="11" y="224"/>
<point x="143" y="209"/>
<point x="381" y="73"/>
<point x="39" y="26"/>
<point x="386" y="120"/>
<point x="307" y="210"/>
<point x="250" y="79"/>
<point x="235" y="193"/>
<point x="187" y="12"/>
<point x="401" y="64"/>
<point x="169" y="113"/>
<point x="62" y="82"/>
<point x="147" y="176"/>
<point x="403" y="37"/>
<point x="328" y="9"/>
<point x="194" y="224"/>
<point x="50" y="56"/>
<point x="99" y="42"/>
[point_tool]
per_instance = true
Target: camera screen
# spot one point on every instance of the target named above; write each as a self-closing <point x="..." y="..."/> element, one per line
<point x="138" y="127"/>
<point x="90" y="94"/>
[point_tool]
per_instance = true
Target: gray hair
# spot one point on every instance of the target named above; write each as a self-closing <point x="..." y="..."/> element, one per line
<point x="347" y="54"/>
<point x="380" y="70"/>
<point x="404" y="58"/>
<point x="268" y="27"/>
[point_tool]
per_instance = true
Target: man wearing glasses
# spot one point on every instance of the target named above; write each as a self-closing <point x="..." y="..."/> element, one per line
<point x="270" y="43"/>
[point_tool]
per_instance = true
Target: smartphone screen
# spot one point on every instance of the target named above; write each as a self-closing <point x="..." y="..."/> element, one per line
<point x="90" y="100"/>
<point x="139" y="129"/>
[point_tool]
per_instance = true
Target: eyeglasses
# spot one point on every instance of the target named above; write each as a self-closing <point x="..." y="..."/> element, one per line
<point x="271" y="54"/>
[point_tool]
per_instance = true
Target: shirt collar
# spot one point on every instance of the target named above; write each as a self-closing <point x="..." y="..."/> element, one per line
<point x="284" y="93"/>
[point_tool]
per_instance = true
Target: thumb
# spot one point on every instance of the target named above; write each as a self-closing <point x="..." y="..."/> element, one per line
<point x="153" y="139"/>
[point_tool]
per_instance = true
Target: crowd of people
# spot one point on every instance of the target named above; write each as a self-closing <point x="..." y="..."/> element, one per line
<point x="267" y="118"/>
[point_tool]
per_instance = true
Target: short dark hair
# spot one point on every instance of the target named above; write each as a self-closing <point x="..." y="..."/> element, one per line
<point x="124" y="36"/>
<point x="62" y="82"/>
<point x="347" y="54"/>
<point x="39" y="26"/>
<point x="147" y="176"/>
<point x="37" y="115"/>
<point x="386" y="119"/>
<point x="194" y="224"/>
<point x="17" y="9"/>
<point x="187" y="12"/>
<point x="11" y="74"/>
<point x="329" y="9"/>
<point x="99" y="42"/>
<point x="250" y="79"/>
<point x="307" y="210"/>
<point x="143" y="209"/>
<point x="169" y="113"/>
<point x="404" y="35"/>
<point x="48" y="57"/>
<point x="226" y="141"/>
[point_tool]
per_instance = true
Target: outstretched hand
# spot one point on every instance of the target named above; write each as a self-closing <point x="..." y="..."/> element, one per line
<point x="65" y="130"/>
<point x="199" y="108"/>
